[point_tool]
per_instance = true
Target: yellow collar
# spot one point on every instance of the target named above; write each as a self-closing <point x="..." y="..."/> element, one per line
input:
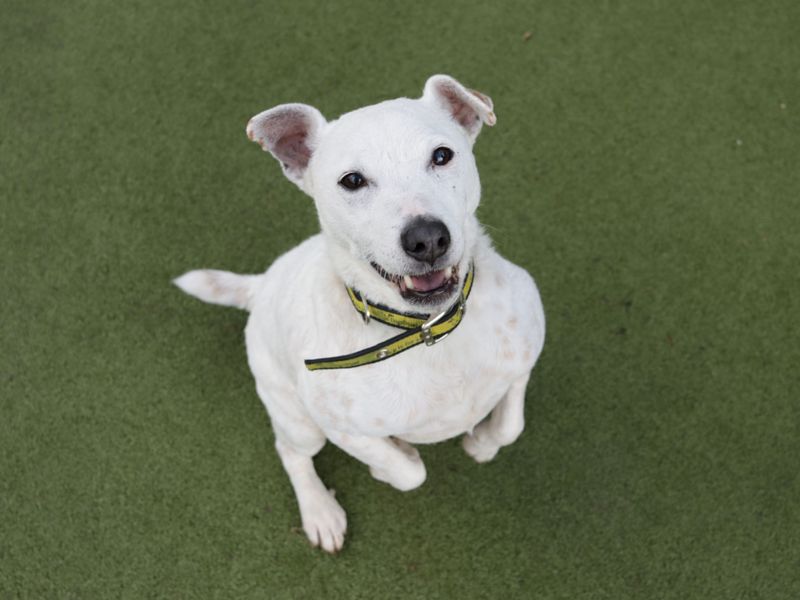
<point x="418" y="329"/>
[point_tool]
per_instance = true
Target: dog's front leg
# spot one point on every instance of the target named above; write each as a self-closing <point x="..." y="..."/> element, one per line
<point x="324" y="520"/>
<point x="503" y="427"/>
<point x="390" y="460"/>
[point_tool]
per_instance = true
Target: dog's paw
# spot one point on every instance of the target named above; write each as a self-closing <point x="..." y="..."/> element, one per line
<point x="480" y="445"/>
<point x="324" y="522"/>
<point x="403" y="475"/>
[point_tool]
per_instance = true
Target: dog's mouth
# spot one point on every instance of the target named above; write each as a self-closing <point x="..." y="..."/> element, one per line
<point x="424" y="288"/>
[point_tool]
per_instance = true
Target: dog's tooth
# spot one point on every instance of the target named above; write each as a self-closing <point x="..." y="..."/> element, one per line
<point x="448" y="272"/>
<point x="408" y="281"/>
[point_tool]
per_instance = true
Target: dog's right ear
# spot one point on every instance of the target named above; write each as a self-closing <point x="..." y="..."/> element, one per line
<point x="290" y="132"/>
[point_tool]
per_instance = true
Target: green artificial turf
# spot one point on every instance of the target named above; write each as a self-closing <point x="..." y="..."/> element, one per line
<point x="644" y="169"/>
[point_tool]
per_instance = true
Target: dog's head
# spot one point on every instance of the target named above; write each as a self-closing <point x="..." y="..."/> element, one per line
<point x="395" y="185"/>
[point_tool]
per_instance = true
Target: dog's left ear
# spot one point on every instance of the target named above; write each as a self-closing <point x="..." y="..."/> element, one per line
<point x="290" y="132"/>
<point x="469" y="108"/>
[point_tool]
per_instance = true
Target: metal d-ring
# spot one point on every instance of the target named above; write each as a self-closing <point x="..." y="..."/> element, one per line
<point x="427" y="335"/>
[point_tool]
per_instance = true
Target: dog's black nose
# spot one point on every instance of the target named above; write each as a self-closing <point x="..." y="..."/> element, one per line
<point x="425" y="239"/>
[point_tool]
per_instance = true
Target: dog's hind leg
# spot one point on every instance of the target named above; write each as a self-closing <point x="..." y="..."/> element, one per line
<point x="390" y="460"/>
<point x="297" y="440"/>
<point x="503" y="427"/>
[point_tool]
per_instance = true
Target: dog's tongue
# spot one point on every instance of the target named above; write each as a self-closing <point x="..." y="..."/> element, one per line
<point x="429" y="281"/>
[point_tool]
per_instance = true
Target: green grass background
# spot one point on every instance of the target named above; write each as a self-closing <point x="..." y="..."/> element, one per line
<point x="644" y="168"/>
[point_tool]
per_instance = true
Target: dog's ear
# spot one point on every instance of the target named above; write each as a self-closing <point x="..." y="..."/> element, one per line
<point x="469" y="108"/>
<point x="290" y="132"/>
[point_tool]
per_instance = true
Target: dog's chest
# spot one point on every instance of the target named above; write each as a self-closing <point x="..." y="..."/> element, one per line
<point x="426" y="394"/>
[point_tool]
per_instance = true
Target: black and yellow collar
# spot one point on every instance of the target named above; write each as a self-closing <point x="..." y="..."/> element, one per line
<point x="418" y="329"/>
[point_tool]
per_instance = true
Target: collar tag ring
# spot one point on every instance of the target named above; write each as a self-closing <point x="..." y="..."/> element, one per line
<point x="427" y="334"/>
<point x="367" y="315"/>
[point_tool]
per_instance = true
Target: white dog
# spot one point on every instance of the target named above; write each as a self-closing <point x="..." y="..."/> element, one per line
<point x="346" y="336"/>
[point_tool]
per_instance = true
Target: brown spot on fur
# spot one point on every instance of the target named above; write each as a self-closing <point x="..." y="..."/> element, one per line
<point x="216" y="289"/>
<point x="506" y="349"/>
<point x="379" y="422"/>
<point x="512" y="323"/>
<point x="527" y="356"/>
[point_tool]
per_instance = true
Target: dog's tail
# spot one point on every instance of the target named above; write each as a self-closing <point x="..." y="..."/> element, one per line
<point x="220" y="287"/>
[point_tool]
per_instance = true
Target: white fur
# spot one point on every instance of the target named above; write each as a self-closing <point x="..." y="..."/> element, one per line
<point x="472" y="383"/>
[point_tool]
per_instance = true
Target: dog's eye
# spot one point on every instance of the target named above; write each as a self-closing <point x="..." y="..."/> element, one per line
<point x="353" y="181"/>
<point x="441" y="156"/>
